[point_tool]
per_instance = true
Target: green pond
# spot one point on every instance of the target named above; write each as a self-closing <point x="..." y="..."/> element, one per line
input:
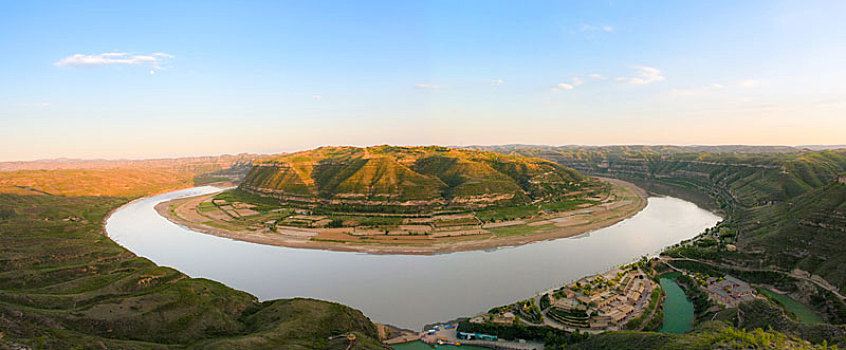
<point x="802" y="312"/>
<point x="678" y="310"/>
<point x="419" y="345"/>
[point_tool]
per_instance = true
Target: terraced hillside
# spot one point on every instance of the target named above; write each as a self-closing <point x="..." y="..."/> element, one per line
<point x="748" y="176"/>
<point x="409" y="176"/>
<point x="65" y="285"/>
<point x="785" y="206"/>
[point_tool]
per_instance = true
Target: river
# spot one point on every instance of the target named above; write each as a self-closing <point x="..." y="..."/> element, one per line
<point x="402" y="290"/>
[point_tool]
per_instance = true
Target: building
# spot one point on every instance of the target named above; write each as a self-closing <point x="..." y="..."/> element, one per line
<point x="567" y="304"/>
<point x="505" y="319"/>
<point x="841" y="179"/>
<point x="474" y="336"/>
<point x="730" y="291"/>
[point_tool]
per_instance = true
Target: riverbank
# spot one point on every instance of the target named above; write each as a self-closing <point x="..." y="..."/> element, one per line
<point x="519" y="232"/>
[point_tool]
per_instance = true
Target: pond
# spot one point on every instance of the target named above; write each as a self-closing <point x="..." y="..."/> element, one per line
<point x="802" y="312"/>
<point x="678" y="310"/>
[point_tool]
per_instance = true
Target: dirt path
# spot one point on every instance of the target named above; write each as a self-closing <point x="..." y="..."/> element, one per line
<point x="741" y="268"/>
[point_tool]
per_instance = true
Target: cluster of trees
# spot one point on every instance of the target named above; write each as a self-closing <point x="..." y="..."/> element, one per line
<point x="697" y="296"/>
<point x="553" y="338"/>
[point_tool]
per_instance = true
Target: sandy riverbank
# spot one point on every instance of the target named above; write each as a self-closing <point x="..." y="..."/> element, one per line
<point x="183" y="215"/>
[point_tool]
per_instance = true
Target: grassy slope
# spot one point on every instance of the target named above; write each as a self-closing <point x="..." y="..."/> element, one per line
<point x="763" y="314"/>
<point x="710" y="335"/>
<point x="807" y="234"/>
<point x="409" y="173"/>
<point x="64" y="284"/>
<point x="94" y="182"/>
<point x="777" y="199"/>
<point x="783" y="204"/>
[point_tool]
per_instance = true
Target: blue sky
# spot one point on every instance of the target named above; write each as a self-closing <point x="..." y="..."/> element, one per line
<point x="157" y="79"/>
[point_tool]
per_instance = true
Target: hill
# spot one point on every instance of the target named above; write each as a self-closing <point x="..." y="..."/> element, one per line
<point x="784" y="210"/>
<point x="409" y="176"/>
<point x="709" y="335"/>
<point x="64" y="284"/>
<point x="200" y="170"/>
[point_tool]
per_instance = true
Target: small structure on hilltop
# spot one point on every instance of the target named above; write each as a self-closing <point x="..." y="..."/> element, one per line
<point x="841" y="179"/>
<point x="729" y="291"/>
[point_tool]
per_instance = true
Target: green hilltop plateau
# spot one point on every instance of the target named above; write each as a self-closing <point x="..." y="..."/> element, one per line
<point x="426" y="177"/>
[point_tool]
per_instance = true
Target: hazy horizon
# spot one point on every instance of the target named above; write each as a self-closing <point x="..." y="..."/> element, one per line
<point x="106" y="80"/>
<point x="73" y="159"/>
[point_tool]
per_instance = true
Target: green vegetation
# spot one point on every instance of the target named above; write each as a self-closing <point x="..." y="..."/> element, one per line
<point x="64" y="284"/>
<point x="709" y="335"/>
<point x="783" y="206"/>
<point x="515" y="230"/>
<point x="763" y="313"/>
<point x="553" y="338"/>
<point x="385" y="178"/>
<point x="695" y="294"/>
<point x="652" y="316"/>
<point x="801" y="312"/>
<point x="262" y="203"/>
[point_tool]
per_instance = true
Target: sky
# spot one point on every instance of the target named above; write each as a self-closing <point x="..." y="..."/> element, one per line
<point x="114" y="79"/>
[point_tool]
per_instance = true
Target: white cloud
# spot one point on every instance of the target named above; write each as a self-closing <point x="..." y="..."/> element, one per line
<point x="643" y="75"/>
<point x="591" y="31"/>
<point x="425" y="86"/>
<point x="577" y="81"/>
<point x="593" y="28"/>
<point x="317" y="97"/>
<point x="597" y="76"/>
<point x="564" y="86"/>
<point x="748" y="83"/>
<point x="496" y="82"/>
<point x="154" y="60"/>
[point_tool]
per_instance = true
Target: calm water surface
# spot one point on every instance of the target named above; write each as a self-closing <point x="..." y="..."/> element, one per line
<point x="402" y="290"/>
<point x="678" y="310"/>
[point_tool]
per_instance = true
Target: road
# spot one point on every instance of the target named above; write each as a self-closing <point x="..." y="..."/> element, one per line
<point x="829" y="288"/>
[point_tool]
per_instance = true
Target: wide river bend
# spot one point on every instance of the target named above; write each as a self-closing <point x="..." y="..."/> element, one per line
<point x="402" y="290"/>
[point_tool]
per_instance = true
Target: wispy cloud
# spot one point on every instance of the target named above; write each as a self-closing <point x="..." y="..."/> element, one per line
<point x="564" y="86"/>
<point x="577" y="81"/>
<point x="154" y="60"/>
<point x="597" y="76"/>
<point x="590" y="28"/>
<point x="496" y="82"/>
<point x="750" y="83"/>
<point x="427" y="86"/>
<point x="643" y="75"/>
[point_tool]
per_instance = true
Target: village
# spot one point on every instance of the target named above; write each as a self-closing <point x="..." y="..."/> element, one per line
<point x="592" y="304"/>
